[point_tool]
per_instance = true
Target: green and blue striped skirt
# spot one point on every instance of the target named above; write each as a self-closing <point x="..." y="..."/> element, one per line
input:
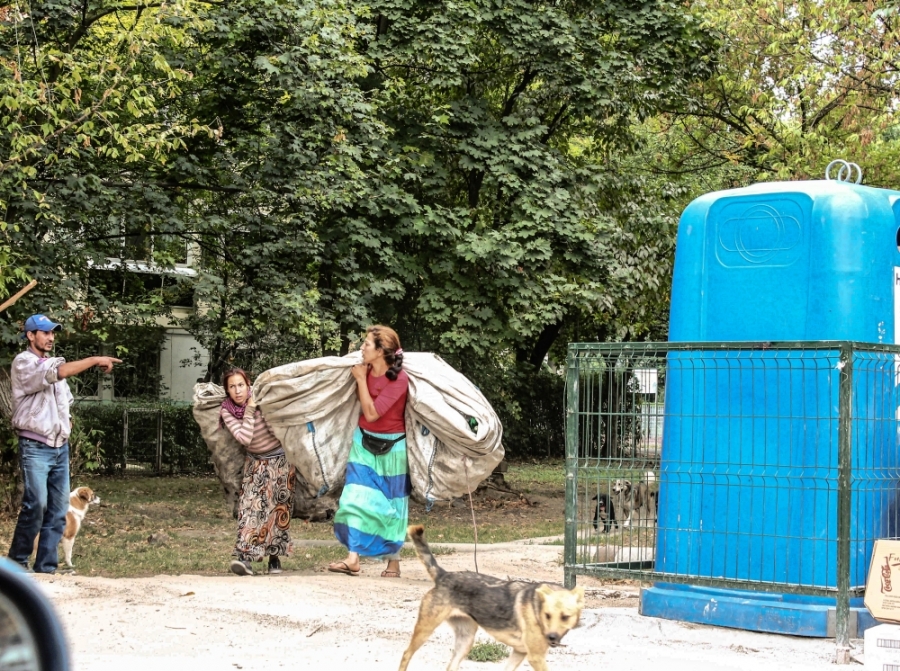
<point x="374" y="507"/>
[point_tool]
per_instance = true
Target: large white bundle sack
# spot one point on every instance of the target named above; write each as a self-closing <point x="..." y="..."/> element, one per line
<point x="447" y="458"/>
<point x="312" y="408"/>
<point x="226" y="454"/>
<point x="454" y="437"/>
<point x="227" y="457"/>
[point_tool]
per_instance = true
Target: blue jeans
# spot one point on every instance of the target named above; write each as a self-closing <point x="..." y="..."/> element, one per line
<point x="45" y="470"/>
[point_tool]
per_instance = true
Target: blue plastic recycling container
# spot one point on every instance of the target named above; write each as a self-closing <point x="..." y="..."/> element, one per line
<point x="748" y="478"/>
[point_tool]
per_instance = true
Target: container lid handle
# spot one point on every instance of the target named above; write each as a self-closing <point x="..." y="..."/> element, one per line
<point x="845" y="174"/>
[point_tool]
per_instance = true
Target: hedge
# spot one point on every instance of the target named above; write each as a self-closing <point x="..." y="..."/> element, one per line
<point x="102" y="425"/>
<point x="537" y="429"/>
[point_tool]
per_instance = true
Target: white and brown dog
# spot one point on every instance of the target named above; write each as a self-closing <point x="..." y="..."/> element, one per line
<point x="80" y="500"/>
<point x="631" y="500"/>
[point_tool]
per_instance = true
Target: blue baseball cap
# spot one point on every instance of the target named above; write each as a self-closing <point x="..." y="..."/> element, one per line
<point x="40" y="323"/>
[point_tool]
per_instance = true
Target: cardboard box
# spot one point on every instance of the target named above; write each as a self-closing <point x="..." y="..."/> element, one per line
<point x="883" y="582"/>
<point x="882" y="647"/>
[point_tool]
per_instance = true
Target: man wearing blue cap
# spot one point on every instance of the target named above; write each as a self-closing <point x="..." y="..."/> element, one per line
<point x="40" y="405"/>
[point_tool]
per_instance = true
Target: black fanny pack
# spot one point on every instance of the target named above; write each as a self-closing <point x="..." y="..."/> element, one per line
<point x="376" y="445"/>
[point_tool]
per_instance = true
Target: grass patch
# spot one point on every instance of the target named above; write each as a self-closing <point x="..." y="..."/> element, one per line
<point x="542" y="482"/>
<point x="532" y="476"/>
<point x="196" y="531"/>
<point x="193" y="530"/>
<point x="488" y="652"/>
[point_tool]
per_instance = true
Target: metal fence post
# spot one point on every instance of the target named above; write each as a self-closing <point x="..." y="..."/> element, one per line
<point x="125" y="440"/>
<point x="845" y="429"/>
<point x="159" y="441"/>
<point x="572" y="404"/>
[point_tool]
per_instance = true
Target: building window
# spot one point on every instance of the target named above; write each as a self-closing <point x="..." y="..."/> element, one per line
<point x="134" y="286"/>
<point x="137" y="377"/>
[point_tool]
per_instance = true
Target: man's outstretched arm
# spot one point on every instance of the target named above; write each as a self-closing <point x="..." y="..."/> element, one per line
<point x="70" y="368"/>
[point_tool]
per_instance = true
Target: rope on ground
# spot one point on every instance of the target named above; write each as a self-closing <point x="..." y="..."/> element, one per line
<point x="472" y="508"/>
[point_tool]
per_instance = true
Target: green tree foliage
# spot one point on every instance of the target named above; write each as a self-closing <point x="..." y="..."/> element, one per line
<point x="492" y="178"/>
<point x="283" y="81"/>
<point x="147" y="132"/>
<point x="439" y="166"/>
<point x="796" y="85"/>
<point x="83" y="108"/>
<point x="487" y="227"/>
<point x="459" y="170"/>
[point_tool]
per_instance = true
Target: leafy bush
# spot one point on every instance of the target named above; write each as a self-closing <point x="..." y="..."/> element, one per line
<point x="85" y="448"/>
<point x="530" y="404"/>
<point x="538" y="428"/>
<point x="183" y="449"/>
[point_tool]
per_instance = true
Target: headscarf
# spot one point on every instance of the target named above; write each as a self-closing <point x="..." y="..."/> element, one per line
<point x="230" y="406"/>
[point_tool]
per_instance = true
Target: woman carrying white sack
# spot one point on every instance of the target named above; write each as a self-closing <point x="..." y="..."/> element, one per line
<point x="267" y="488"/>
<point x="373" y="513"/>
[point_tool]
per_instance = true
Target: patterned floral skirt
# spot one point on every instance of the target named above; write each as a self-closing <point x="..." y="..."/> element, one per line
<point x="264" y="511"/>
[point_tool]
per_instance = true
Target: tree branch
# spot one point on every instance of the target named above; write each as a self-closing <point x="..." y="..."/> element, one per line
<point x="555" y="122"/>
<point x="527" y="78"/>
<point x="60" y="131"/>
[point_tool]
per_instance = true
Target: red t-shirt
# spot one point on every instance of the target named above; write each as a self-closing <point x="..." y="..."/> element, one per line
<point x="390" y="403"/>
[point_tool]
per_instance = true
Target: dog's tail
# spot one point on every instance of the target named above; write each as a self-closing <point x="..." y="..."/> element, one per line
<point x="417" y="536"/>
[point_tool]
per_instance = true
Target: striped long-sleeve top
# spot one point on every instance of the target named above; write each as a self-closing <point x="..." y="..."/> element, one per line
<point x="253" y="432"/>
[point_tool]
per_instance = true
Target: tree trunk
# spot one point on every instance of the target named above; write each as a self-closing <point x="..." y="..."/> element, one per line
<point x="5" y="395"/>
<point x="535" y="355"/>
<point x="345" y="340"/>
<point x="12" y="487"/>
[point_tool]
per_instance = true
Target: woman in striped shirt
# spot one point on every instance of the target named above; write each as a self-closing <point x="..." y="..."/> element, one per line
<point x="267" y="490"/>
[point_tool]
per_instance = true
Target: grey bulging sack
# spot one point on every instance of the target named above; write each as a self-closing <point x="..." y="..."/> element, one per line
<point x="454" y="437"/>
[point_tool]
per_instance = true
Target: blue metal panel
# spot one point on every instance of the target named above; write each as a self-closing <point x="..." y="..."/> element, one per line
<point x="755" y="611"/>
<point x="741" y="475"/>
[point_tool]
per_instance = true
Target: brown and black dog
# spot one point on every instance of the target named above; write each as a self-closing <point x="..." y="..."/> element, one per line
<point x="529" y="617"/>
<point x="630" y="500"/>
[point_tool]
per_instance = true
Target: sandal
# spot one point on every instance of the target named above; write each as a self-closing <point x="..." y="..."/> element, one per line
<point x="390" y="574"/>
<point x="342" y="567"/>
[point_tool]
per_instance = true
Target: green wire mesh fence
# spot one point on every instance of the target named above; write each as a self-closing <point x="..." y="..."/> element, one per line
<point x="763" y="466"/>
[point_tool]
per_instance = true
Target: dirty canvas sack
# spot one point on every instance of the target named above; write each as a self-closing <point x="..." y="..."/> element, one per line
<point x="225" y="453"/>
<point x="312" y="409"/>
<point x="454" y="437"/>
<point x="228" y="456"/>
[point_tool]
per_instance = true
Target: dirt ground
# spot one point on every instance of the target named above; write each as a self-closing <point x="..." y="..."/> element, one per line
<point x="338" y="622"/>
